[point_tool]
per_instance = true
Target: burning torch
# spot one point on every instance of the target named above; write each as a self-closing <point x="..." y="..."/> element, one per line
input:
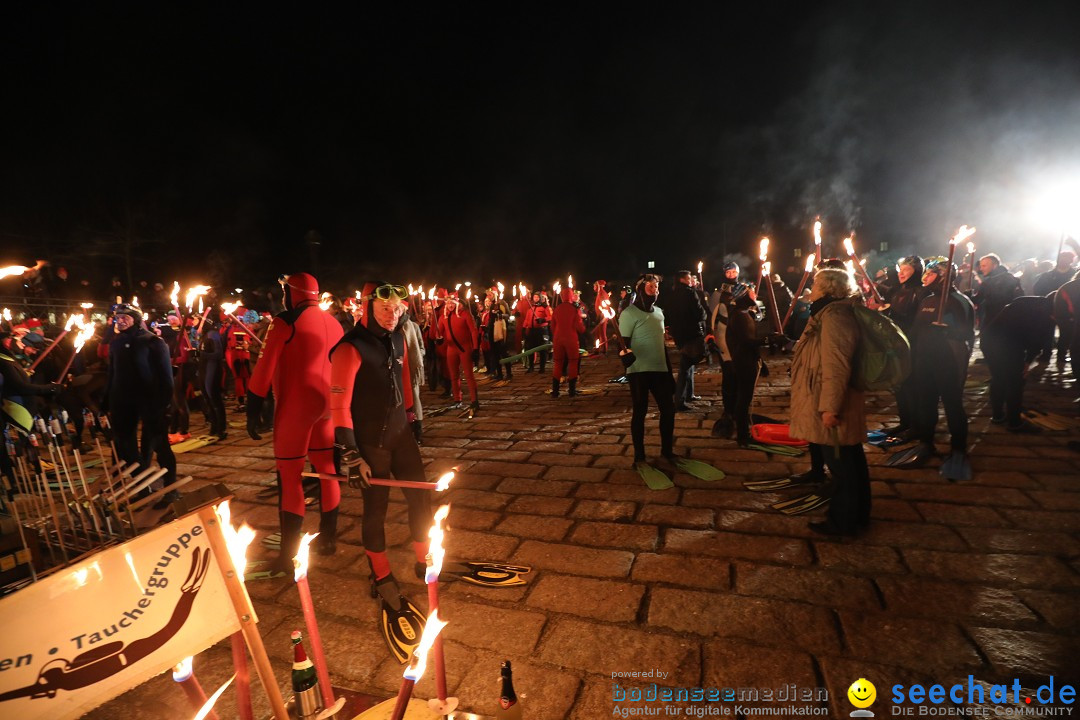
<point x="946" y="282"/>
<point x="849" y="248"/>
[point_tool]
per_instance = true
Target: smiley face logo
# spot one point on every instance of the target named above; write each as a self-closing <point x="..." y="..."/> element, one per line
<point x="862" y="693"/>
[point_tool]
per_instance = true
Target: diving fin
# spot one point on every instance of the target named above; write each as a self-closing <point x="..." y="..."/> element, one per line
<point x="785" y="450"/>
<point x="914" y="457"/>
<point x="800" y="505"/>
<point x="272" y="541"/>
<point x="957" y="467"/>
<point x="501" y="383"/>
<point x="697" y="468"/>
<point x="780" y="483"/>
<point x="400" y="622"/>
<point x="485" y="574"/>
<point x="194" y="443"/>
<point x="439" y="411"/>
<point x="653" y="477"/>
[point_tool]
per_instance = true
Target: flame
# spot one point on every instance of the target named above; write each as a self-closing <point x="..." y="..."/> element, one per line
<point x="849" y="247"/>
<point x="468" y="294"/>
<point x="501" y="288"/>
<point x="325" y="301"/>
<point x="7" y="314"/>
<point x="230" y="308"/>
<point x="192" y="293"/>
<point x="431" y="293"/>
<point x="817" y="233"/>
<point x="810" y="262"/>
<point x="570" y="281"/>
<point x="556" y="287"/>
<point x="514" y="292"/>
<point x="412" y="291"/>
<point x="435" y="548"/>
<point x="443" y="483"/>
<point x="763" y="249"/>
<point x="201" y="715"/>
<point x="457" y="287"/>
<point x="84" y="306"/>
<point x="135" y="301"/>
<point x="236" y="539"/>
<point x="522" y="290"/>
<point x="174" y="296"/>
<point x="849" y="266"/>
<point x="73" y="319"/>
<point x="700" y="265"/>
<point x="182" y="670"/>
<point x="13" y="270"/>
<point x="962" y="234"/>
<point x="766" y="269"/>
<point x="596" y="345"/>
<point x="300" y="560"/>
<point x="86" y="332"/>
<point x="420" y="292"/>
<point x="606" y="309"/>
<point x="971" y="248"/>
<point x="434" y="626"/>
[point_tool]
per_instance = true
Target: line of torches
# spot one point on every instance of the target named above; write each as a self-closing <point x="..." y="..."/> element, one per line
<point x="238" y="540"/>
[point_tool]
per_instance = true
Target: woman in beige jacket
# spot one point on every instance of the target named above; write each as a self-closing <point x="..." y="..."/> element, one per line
<point x="826" y="410"/>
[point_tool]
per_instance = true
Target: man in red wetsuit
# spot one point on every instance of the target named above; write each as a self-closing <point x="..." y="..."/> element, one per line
<point x="461" y="340"/>
<point x="566" y="327"/>
<point x="521" y="310"/>
<point x="296" y="362"/>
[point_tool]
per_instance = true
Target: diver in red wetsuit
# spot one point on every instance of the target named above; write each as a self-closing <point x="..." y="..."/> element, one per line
<point x="296" y="362"/>
<point x="461" y="340"/>
<point x="566" y="328"/>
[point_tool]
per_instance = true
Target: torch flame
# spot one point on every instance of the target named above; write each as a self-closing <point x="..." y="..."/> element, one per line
<point x="84" y="306"/>
<point x="849" y="266"/>
<point x="700" y="265"/>
<point x="434" y="626"/>
<point x="763" y="249"/>
<point x="326" y="301"/>
<point x="849" y="247"/>
<point x="182" y="670"/>
<point x="501" y="288"/>
<point x="300" y="560"/>
<point x="71" y="321"/>
<point x="570" y="281"/>
<point x="522" y="290"/>
<point x="420" y="292"/>
<point x="431" y="293"/>
<point x="86" y="331"/>
<point x="557" y="287"/>
<point x="971" y="248"/>
<point x="817" y="233"/>
<point x="435" y="547"/>
<point x="468" y="294"/>
<point x="12" y="270"/>
<point x="195" y="292"/>
<point x="443" y="483"/>
<point x="962" y="234"/>
<point x="606" y="309"/>
<point x="766" y="269"/>
<point x="7" y="314"/>
<point x="810" y="262"/>
<point x="236" y="539"/>
<point x="201" y="715"/>
<point x="457" y="287"/>
<point x="411" y="290"/>
<point x="174" y="296"/>
<point x="596" y="345"/>
<point x="230" y="308"/>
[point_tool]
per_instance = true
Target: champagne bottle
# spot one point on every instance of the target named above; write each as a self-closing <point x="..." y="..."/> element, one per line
<point x="305" y="682"/>
<point x="509" y="707"/>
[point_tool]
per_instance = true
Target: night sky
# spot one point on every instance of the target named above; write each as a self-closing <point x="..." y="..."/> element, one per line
<point x="478" y="140"/>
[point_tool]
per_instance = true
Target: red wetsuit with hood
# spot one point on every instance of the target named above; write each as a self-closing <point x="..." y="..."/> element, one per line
<point x="566" y="328"/>
<point x="461" y="340"/>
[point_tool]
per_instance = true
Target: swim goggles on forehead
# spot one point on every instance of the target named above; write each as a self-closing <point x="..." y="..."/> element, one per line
<point x="388" y="292"/>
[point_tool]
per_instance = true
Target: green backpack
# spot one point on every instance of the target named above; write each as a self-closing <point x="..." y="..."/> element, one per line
<point x="883" y="359"/>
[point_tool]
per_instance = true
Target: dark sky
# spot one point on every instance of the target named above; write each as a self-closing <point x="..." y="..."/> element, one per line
<point x="479" y="140"/>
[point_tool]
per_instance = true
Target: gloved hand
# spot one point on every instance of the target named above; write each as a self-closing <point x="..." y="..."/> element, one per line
<point x="351" y="463"/>
<point x="627" y="357"/>
<point x="254" y="413"/>
<point x="475" y="355"/>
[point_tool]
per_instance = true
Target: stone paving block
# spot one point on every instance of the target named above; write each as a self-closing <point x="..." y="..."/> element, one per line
<point x="509" y="469"/>
<point x="608" y="600"/>
<point x="1021" y="541"/>
<point x="1055" y="500"/>
<point x="591" y="647"/>
<point x="576" y="474"/>
<point x="537" y="527"/>
<point x="965" y="494"/>
<point x="617" y="535"/>
<point x="386" y="681"/>
<point x="468" y="480"/>
<point x="859" y="559"/>
<point x="779" y="623"/>
<point x="479" y="499"/>
<point x="549" y="691"/>
<point x="574" y="559"/>
<point x="676" y="516"/>
<point x="543" y="446"/>
<point x="468" y="545"/>
<point x="1044" y="519"/>
<point x="953" y="514"/>
<point x="472" y="519"/>
<point x="763" y="523"/>
<point x="568" y="460"/>
<point x="913" y="535"/>
<point x="492" y="628"/>
<point x="626" y="493"/>
<point x="818" y="587"/>
<point x="895" y="640"/>
<point x="995" y="569"/>
<point x="540" y="505"/>
<point x="530" y="486"/>
<point x="727" y="499"/>
<point x="920" y="597"/>
<point x="1031" y="656"/>
<point x="502" y="455"/>
<point x="732" y="663"/>
<point x="1057" y="608"/>
<point x="713" y="543"/>
<point x="604" y="510"/>
<point x="685" y="570"/>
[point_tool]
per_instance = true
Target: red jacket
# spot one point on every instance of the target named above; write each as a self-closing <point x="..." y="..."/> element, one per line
<point x="459" y="329"/>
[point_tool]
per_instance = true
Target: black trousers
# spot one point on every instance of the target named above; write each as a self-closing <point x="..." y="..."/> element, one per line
<point x="662" y="387"/>
<point x="1006" y="363"/>
<point x="849" y="506"/>
<point x="213" y="398"/>
<point x="401" y="461"/>
<point x="939" y="375"/>
<point x="746" y="375"/>
<point x="125" y="419"/>
<point x="728" y="386"/>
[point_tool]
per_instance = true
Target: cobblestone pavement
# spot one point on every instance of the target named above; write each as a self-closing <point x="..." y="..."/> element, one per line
<point x="704" y="582"/>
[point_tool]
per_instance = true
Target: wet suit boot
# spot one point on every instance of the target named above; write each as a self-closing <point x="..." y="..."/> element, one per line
<point x="554" y="388"/>
<point x="573" y="387"/>
<point x="400" y="622"/>
<point x="326" y="543"/>
<point x="291" y="528"/>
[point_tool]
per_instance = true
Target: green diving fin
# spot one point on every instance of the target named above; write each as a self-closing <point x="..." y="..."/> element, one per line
<point x="653" y="477"/>
<point x="700" y="470"/>
<point x="800" y="505"/>
<point x="272" y="541"/>
<point x="956" y="467"/>
<point x="785" y="450"/>
<point x="194" y="443"/>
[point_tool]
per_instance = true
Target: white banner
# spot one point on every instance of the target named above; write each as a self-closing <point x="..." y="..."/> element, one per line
<point x="92" y="631"/>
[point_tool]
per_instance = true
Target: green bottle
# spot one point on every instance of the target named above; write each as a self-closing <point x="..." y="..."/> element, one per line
<point x="509" y="706"/>
<point x="305" y="682"/>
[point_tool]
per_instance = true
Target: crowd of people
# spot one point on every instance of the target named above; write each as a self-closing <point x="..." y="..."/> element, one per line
<point x="339" y="381"/>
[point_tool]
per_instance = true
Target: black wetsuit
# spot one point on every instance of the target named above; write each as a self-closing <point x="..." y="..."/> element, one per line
<point x="940" y="361"/>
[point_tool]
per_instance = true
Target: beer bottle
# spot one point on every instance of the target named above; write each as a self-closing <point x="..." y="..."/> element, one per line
<point x="305" y="683"/>
<point x="509" y="707"/>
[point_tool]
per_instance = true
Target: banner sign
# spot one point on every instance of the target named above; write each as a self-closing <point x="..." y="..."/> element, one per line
<point x="89" y="632"/>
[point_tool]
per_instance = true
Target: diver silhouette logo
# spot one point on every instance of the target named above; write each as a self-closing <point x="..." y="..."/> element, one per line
<point x="862" y="694"/>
